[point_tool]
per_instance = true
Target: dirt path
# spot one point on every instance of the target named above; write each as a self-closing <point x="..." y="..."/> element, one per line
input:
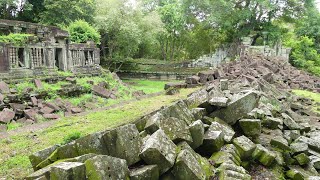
<point x="47" y="124"/>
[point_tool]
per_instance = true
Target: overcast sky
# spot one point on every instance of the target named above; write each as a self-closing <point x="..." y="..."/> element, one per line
<point x="318" y="4"/>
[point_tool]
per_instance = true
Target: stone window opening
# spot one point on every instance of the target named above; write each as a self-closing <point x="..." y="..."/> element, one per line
<point x="58" y="57"/>
<point x="21" y="58"/>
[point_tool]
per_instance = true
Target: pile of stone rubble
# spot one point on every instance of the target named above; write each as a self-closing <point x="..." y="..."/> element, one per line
<point x="230" y="129"/>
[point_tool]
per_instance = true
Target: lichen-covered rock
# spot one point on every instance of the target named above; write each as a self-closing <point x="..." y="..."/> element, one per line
<point x="302" y="159"/>
<point x="237" y="108"/>
<point x="299" y="147"/>
<point x="250" y="127"/>
<point x="153" y="122"/>
<point x="315" y="161"/>
<point x="299" y="173"/>
<point x="219" y="125"/>
<point x="263" y="155"/>
<point x="187" y="167"/>
<point x="148" y="172"/>
<point x="289" y="122"/>
<point x="221" y="157"/>
<point x="68" y="171"/>
<point x="177" y="130"/>
<point x="212" y="142"/>
<point x="198" y="113"/>
<point x="197" y="132"/>
<point x="92" y="143"/>
<point x="124" y="142"/>
<point x="245" y="146"/>
<point x="197" y="98"/>
<point x="40" y="156"/>
<point x="291" y="135"/>
<point x="219" y="101"/>
<point x="180" y="111"/>
<point x="230" y="171"/>
<point x="104" y="167"/>
<point x="159" y="150"/>
<point x="272" y="123"/>
<point x="280" y="143"/>
<point x="42" y="173"/>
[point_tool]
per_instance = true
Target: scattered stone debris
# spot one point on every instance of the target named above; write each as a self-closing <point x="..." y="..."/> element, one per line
<point x="248" y="127"/>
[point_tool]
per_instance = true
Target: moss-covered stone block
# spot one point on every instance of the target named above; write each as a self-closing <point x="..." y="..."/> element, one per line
<point x="302" y="159"/>
<point x="251" y="127"/>
<point x="40" y="156"/>
<point x="177" y="130"/>
<point x="92" y="143"/>
<point x="124" y="142"/>
<point x="212" y="142"/>
<point x="271" y="122"/>
<point x="148" y="172"/>
<point x="220" y="125"/>
<point x="159" y="150"/>
<point x="104" y="167"/>
<point x="245" y="146"/>
<point x="68" y="171"/>
<point x="280" y="143"/>
<point x="197" y="133"/>
<point x="263" y="155"/>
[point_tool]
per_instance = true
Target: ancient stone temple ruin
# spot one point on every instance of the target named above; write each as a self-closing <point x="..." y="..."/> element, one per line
<point x="49" y="49"/>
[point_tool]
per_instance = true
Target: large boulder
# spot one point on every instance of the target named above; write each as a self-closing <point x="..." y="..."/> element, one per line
<point x="238" y="107"/>
<point x="6" y="116"/>
<point x="197" y="98"/>
<point x="68" y="170"/>
<point x="219" y="125"/>
<point x="124" y="142"/>
<point x="245" y="146"/>
<point x="263" y="155"/>
<point x="40" y="156"/>
<point x="179" y="110"/>
<point x="103" y="167"/>
<point x="176" y="129"/>
<point x="4" y="88"/>
<point x="250" y="127"/>
<point x="160" y="150"/>
<point x="197" y="132"/>
<point x="148" y="172"/>
<point x="92" y="143"/>
<point x="187" y="167"/>
<point x="290" y="122"/>
<point x="212" y="142"/>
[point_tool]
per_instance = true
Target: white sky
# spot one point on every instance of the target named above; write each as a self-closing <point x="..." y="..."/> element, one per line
<point x="318" y="4"/>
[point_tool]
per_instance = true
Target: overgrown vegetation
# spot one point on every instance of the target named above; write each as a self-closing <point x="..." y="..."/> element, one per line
<point x="15" y="39"/>
<point x="80" y="32"/>
<point x="314" y="96"/>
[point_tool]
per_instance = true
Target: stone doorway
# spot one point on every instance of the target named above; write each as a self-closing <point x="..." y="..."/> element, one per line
<point x="58" y="58"/>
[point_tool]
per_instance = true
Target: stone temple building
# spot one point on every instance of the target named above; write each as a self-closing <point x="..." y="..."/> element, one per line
<point x="48" y="50"/>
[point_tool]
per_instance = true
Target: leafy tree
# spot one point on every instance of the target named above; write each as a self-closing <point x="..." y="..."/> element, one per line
<point x="64" y="12"/>
<point x="80" y="32"/>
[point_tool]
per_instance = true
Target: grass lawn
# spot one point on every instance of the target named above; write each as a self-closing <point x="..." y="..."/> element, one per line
<point x="311" y="95"/>
<point x="148" y="86"/>
<point x="15" y="150"/>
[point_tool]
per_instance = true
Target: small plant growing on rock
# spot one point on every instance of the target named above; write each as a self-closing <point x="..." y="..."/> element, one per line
<point x="71" y="137"/>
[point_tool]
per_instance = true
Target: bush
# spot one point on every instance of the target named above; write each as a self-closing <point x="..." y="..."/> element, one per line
<point x="80" y="32"/>
<point x="71" y="137"/>
<point x="15" y="39"/>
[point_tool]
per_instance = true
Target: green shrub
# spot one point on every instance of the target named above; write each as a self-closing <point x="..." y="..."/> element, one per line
<point x="80" y="32"/>
<point x="15" y="39"/>
<point x="71" y="137"/>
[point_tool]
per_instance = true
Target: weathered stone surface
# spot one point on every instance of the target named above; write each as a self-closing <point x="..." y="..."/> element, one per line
<point x="180" y="111"/>
<point x="193" y="80"/>
<point x="40" y="156"/>
<point x="124" y="142"/>
<point x="51" y="116"/>
<point x="76" y="110"/>
<point x="224" y="84"/>
<point x="4" y="88"/>
<point x="175" y="85"/>
<point x="263" y="155"/>
<point x="231" y="171"/>
<point x="237" y="108"/>
<point x="153" y="122"/>
<point x="197" y="132"/>
<point x="291" y="135"/>
<point x="187" y="167"/>
<point x="92" y="143"/>
<point x="159" y="150"/>
<point x="289" y="122"/>
<point x="176" y="129"/>
<point x="148" y="172"/>
<point x="245" y="146"/>
<point x="302" y="159"/>
<point x="272" y="123"/>
<point x="18" y="108"/>
<point x="38" y="83"/>
<point x="42" y="174"/>
<point x="106" y="168"/>
<point x="251" y="127"/>
<point x="3" y="127"/>
<point x="198" y="113"/>
<point x="31" y="114"/>
<point x="280" y="143"/>
<point x="315" y="161"/>
<point x="6" y="115"/>
<point x="68" y="170"/>
<point x="197" y="98"/>
<point x="46" y="110"/>
<point x="219" y="101"/>
<point x="100" y="91"/>
<point x="212" y="142"/>
<point x="172" y="91"/>
<point x="219" y="125"/>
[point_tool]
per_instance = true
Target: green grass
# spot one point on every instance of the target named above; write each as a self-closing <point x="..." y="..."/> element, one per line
<point x="14" y="153"/>
<point x="13" y="126"/>
<point x="311" y="95"/>
<point x="148" y="86"/>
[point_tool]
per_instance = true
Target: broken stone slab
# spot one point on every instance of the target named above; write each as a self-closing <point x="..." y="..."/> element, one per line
<point x="228" y="132"/>
<point x="4" y="88"/>
<point x="76" y="110"/>
<point x="221" y="157"/>
<point x="219" y="101"/>
<point x="1" y="98"/>
<point x="38" y="83"/>
<point x="251" y="127"/>
<point x="51" y="116"/>
<point x="52" y="106"/>
<point x="296" y="172"/>
<point x="187" y="167"/>
<point x="280" y="143"/>
<point x="42" y="174"/>
<point x="159" y="150"/>
<point x="176" y="129"/>
<point x="291" y="135"/>
<point x="31" y="114"/>
<point x="245" y="146"/>
<point x="212" y="142"/>
<point x="238" y="108"/>
<point x="148" y="172"/>
<point x="302" y="159"/>
<point x="193" y="80"/>
<point x="198" y="113"/>
<point x="46" y="110"/>
<point x="172" y="91"/>
<point x="92" y="143"/>
<point x="197" y="99"/>
<point x="6" y="115"/>
<point x="18" y="108"/>
<point x="180" y="111"/>
<point x="100" y="91"/>
<point x="153" y="122"/>
<point x="106" y="167"/>
<point x="40" y="156"/>
<point x="263" y="155"/>
<point x="289" y="122"/>
<point x="68" y="170"/>
<point x="315" y="161"/>
<point x="231" y="171"/>
<point x="34" y="101"/>
<point x="124" y="142"/>
<point x="299" y="147"/>
<point x="197" y="132"/>
<point x="178" y="85"/>
<point x="272" y="123"/>
<point x="71" y="80"/>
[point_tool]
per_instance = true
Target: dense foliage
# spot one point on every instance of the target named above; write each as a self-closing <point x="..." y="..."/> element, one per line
<point x="179" y="29"/>
<point x="80" y="32"/>
<point x="15" y="39"/>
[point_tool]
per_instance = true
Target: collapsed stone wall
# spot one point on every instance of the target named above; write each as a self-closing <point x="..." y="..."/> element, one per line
<point x="226" y="130"/>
